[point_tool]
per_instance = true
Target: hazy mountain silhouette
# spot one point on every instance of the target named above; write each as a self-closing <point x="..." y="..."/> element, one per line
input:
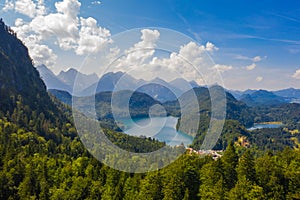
<point x="83" y="81"/>
<point x="51" y="80"/>
<point x="262" y="98"/>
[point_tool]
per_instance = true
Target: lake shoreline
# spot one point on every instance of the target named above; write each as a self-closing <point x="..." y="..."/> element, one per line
<point x="163" y="129"/>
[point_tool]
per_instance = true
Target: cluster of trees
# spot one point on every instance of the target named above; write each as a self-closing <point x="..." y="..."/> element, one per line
<point x="288" y="114"/>
<point x="32" y="167"/>
<point x="275" y="139"/>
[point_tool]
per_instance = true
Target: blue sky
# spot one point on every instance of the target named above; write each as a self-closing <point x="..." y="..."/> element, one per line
<point x="257" y="42"/>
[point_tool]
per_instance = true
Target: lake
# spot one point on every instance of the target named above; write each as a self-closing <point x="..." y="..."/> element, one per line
<point x="160" y="128"/>
<point x="260" y="126"/>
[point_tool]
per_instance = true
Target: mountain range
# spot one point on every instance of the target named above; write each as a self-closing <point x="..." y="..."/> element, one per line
<point x="87" y="85"/>
<point x="51" y="80"/>
<point x="265" y="97"/>
<point x="160" y="90"/>
<point x="82" y="80"/>
<point x="65" y="79"/>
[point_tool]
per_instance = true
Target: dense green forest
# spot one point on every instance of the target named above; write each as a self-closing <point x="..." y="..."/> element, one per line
<point x="42" y="157"/>
<point x="33" y="167"/>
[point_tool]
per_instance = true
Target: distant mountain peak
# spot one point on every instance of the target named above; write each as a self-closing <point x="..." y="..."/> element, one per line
<point x="262" y="98"/>
<point x="115" y="74"/>
<point x="159" y="81"/>
<point x="291" y="93"/>
<point x="72" y="70"/>
<point x="51" y="80"/>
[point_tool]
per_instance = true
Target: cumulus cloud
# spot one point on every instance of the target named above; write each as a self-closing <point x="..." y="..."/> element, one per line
<point x="192" y="53"/>
<point x="296" y="75"/>
<point x="26" y="7"/>
<point x="189" y="55"/>
<point x="187" y="62"/>
<point x="42" y="54"/>
<point x="223" y="68"/>
<point x="259" y="79"/>
<point x="91" y="37"/>
<point x="142" y="50"/>
<point x="68" y="7"/>
<point x="210" y="47"/>
<point x="251" y="67"/>
<point x="82" y="35"/>
<point x="191" y="62"/>
<point x="63" y="26"/>
<point x="9" y="5"/>
<point x="148" y="39"/>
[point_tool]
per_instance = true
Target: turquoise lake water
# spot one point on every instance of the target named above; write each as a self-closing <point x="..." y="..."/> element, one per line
<point x="160" y="128"/>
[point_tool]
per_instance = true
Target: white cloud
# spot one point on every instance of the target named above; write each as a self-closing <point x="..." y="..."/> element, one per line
<point x="141" y="51"/>
<point x="192" y="52"/>
<point x="256" y="59"/>
<point x="259" y="79"/>
<point x="9" y="5"/>
<point x="251" y="67"/>
<point x="29" y="8"/>
<point x="41" y="9"/>
<point x="91" y="37"/>
<point x="82" y="35"/>
<point x="148" y="39"/>
<point x="296" y="75"/>
<point x="19" y="22"/>
<point x="26" y="7"/>
<point x="186" y="62"/>
<point x="190" y="55"/>
<point x="190" y="62"/>
<point x="58" y="26"/>
<point x="68" y="7"/>
<point x="42" y="54"/>
<point x="63" y="26"/>
<point x="210" y="47"/>
<point x="96" y="3"/>
<point x="223" y="68"/>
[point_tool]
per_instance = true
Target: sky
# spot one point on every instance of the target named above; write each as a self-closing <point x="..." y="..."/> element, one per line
<point x="239" y="44"/>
